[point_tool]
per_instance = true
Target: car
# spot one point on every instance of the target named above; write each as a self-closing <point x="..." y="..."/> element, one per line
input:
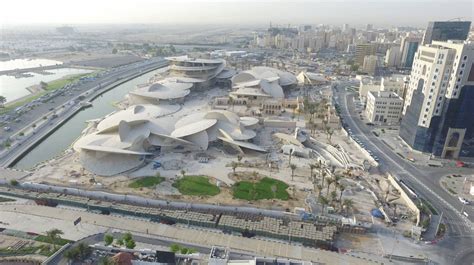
<point x="464" y="201"/>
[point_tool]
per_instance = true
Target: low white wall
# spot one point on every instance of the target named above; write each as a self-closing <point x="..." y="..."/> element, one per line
<point x="279" y="123"/>
<point x="406" y="198"/>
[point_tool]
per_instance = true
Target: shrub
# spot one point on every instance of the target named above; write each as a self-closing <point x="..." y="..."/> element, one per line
<point x="108" y="239"/>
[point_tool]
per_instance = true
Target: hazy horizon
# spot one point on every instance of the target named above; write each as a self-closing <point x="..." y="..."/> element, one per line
<point x="232" y="12"/>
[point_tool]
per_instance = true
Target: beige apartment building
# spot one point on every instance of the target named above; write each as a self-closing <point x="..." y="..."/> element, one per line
<point x="384" y="107"/>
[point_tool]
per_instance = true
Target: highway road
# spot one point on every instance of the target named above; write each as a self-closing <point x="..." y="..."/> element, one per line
<point x="88" y="90"/>
<point x="458" y="245"/>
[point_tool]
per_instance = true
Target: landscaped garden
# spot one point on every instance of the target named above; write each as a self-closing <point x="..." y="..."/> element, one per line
<point x="265" y="188"/>
<point x="196" y="185"/>
<point x="146" y="182"/>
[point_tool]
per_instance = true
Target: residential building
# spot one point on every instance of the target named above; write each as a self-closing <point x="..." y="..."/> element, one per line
<point x="439" y="107"/>
<point x="408" y="47"/>
<point x="363" y="50"/>
<point x="392" y="57"/>
<point x="394" y="83"/>
<point x="446" y="30"/>
<point x="384" y="107"/>
<point x="370" y="64"/>
<point x="367" y="84"/>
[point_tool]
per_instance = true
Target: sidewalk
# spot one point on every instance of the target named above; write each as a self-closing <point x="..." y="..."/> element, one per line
<point x="430" y="233"/>
<point x="96" y="222"/>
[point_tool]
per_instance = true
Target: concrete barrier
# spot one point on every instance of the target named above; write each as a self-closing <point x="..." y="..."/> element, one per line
<point x="406" y="198"/>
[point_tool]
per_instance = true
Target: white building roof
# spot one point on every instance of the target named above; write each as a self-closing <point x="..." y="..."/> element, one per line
<point x="136" y="113"/>
<point x="186" y="58"/>
<point x="193" y="128"/>
<point x="163" y="90"/>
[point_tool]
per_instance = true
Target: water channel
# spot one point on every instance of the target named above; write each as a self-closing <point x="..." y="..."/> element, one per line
<point x="64" y="136"/>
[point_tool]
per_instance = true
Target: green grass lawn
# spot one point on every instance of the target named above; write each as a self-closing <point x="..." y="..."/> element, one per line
<point x="3" y="199"/>
<point x="59" y="83"/>
<point x="262" y="189"/>
<point x="146" y="182"/>
<point x="45" y="239"/>
<point x="44" y="250"/>
<point x="196" y="185"/>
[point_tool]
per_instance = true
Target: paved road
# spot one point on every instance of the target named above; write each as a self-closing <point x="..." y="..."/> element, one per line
<point x="98" y="238"/>
<point x="86" y="89"/>
<point x="459" y="244"/>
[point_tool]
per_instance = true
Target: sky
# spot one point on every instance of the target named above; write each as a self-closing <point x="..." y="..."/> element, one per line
<point x="234" y="12"/>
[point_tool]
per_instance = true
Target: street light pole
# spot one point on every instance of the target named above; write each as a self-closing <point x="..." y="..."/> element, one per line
<point x="437" y="227"/>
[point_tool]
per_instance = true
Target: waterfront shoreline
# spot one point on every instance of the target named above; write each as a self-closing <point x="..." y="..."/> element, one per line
<point x="58" y="123"/>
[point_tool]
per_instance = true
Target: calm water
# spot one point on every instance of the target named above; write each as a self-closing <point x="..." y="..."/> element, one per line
<point x="63" y="137"/>
<point x="26" y="63"/>
<point x="14" y="88"/>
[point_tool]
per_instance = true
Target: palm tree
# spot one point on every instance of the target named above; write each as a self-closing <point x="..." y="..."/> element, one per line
<point x="292" y="167"/>
<point x="324" y="175"/>
<point x="312" y="167"/>
<point x="337" y="178"/>
<point x="329" y="181"/>
<point x="329" y="133"/>
<point x="311" y="126"/>
<point x="341" y="189"/>
<point x="3" y="100"/>
<point x="348" y="204"/>
<point x="333" y="196"/>
<point x="319" y="188"/>
<point x="323" y="202"/>
<point x="234" y="166"/>
<point x="54" y="235"/>
<point x="83" y="250"/>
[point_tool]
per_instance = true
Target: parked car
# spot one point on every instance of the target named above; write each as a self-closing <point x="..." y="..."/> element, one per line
<point x="464" y="201"/>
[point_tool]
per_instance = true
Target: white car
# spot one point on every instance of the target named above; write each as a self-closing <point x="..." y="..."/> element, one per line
<point x="464" y="201"/>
